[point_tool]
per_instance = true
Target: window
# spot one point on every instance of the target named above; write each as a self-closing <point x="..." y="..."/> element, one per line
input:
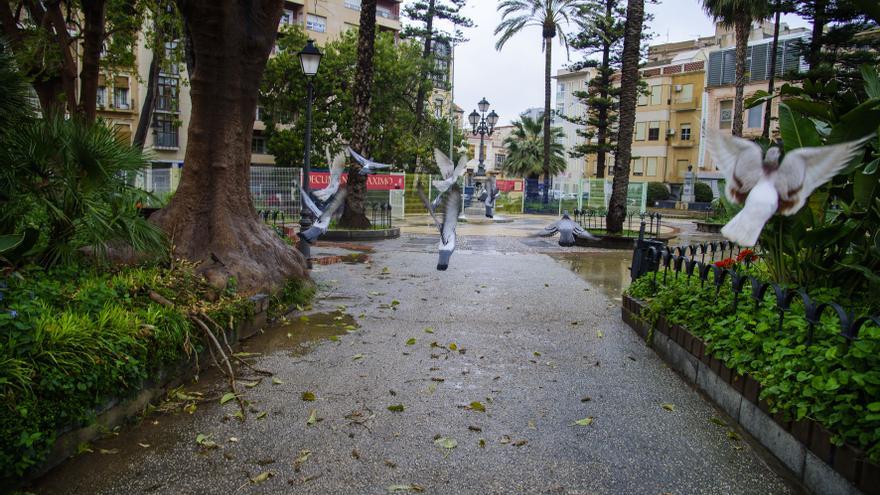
<point x="438" y="108"/>
<point x="166" y="94"/>
<point x="685" y="132"/>
<point x="258" y="145"/>
<point x="756" y="117"/>
<point x="102" y="96"/>
<point x="353" y="4"/>
<point x="120" y="98"/>
<point x="640" y="131"/>
<point x="287" y="18"/>
<point x="316" y="23"/>
<point x="726" y="115"/>
<point x="687" y="93"/>
<point x="651" y="166"/>
<point x="682" y="167"/>
<point x="165" y="129"/>
<point x="499" y="160"/>
<point x="654" y="131"/>
<point x="172" y="68"/>
<point x="383" y="11"/>
<point x="638" y="167"/>
<point x="656" y="94"/>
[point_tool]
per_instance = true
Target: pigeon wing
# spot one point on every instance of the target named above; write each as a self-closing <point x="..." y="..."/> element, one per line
<point x="549" y="230"/>
<point x="312" y="207"/>
<point x="421" y="192"/>
<point x="444" y="164"/>
<point x="450" y="217"/>
<point x="330" y="209"/>
<point x="740" y="160"/>
<point x="583" y="234"/>
<point x="335" y="175"/>
<point x="805" y="169"/>
<point x="358" y="158"/>
<point x="462" y="166"/>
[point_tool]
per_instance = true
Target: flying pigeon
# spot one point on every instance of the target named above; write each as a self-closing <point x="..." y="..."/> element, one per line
<point x="447" y="227"/>
<point x="367" y="166"/>
<point x="449" y="172"/>
<point x="568" y="229"/>
<point x="490" y="192"/>
<point x="768" y="186"/>
<point x="323" y="217"/>
<point x="338" y="165"/>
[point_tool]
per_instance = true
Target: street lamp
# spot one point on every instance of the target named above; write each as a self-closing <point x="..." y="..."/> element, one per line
<point x="484" y="125"/>
<point x="310" y="60"/>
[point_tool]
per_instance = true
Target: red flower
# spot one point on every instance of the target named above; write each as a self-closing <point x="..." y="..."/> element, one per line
<point x="746" y="255"/>
<point x="725" y="263"/>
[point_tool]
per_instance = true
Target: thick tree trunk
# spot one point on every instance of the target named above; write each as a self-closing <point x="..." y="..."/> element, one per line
<point x="819" y="7"/>
<point x="93" y="41"/>
<point x="629" y="85"/>
<point x="426" y="58"/>
<point x="354" y="215"/>
<point x="602" y="128"/>
<point x="211" y="218"/>
<point x="548" y="61"/>
<point x="772" y="82"/>
<point x="742" y="26"/>
<point x="66" y="46"/>
<point x="146" y="116"/>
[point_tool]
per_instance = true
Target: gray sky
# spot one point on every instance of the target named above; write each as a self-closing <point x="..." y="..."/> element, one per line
<point x="512" y="79"/>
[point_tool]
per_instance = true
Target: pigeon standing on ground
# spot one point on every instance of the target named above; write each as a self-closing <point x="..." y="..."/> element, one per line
<point x="447" y="227"/>
<point x="322" y="221"/>
<point x="367" y="166"/>
<point x="767" y="185"/>
<point x="568" y="229"/>
<point x="337" y="165"/>
<point x="490" y="192"/>
<point x="449" y="172"/>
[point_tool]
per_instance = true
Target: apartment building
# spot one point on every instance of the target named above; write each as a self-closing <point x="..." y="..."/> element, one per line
<point x="570" y="106"/>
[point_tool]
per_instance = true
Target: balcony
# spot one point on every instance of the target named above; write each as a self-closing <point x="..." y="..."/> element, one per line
<point x="383" y="11"/>
<point x="684" y="106"/>
<point x="682" y="144"/>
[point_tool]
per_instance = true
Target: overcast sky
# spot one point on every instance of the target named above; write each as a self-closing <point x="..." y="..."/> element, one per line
<point x="512" y="79"/>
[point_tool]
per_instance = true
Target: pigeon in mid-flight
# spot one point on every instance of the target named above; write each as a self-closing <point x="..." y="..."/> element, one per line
<point x="770" y="183"/>
<point x="367" y="166"/>
<point x="449" y="172"/>
<point x="322" y="221"/>
<point x="490" y="192"/>
<point x="568" y="229"/>
<point x="447" y="227"/>
<point x="337" y="165"/>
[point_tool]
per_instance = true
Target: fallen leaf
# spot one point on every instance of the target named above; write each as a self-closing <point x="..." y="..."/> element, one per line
<point x="303" y="457"/>
<point x="190" y="408"/>
<point x="717" y="421"/>
<point x="733" y="435"/>
<point x="205" y="441"/>
<point x="412" y="487"/>
<point x="313" y="417"/>
<point x="233" y="439"/>
<point x="482" y="443"/>
<point x="583" y="422"/>
<point x="668" y="407"/>
<point x="334" y="338"/>
<point x="536" y="353"/>
<point x="308" y="396"/>
<point x="228" y="396"/>
<point x="599" y="334"/>
<point x="277" y="381"/>
<point x="504" y="439"/>
<point x="477" y="406"/>
<point x="144" y="445"/>
<point x="108" y="451"/>
<point x="395" y="302"/>
<point x="453" y="347"/>
<point x="262" y="477"/>
<point x="520" y="443"/>
<point x="396" y="408"/>
<point x="429" y="330"/>
<point x="411" y="341"/>
<point x="357" y="356"/>
<point x="475" y="428"/>
<point x="262" y="414"/>
<point x="446" y="443"/>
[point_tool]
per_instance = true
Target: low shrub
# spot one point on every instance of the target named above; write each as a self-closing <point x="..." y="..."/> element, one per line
<point x="657" y="191"/>
<point x="829" y="380"/>
<point x="703" y="192"/>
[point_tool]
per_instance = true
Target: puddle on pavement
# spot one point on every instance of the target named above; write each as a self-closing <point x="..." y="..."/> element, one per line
<point x="607" y="270"/>
<point x="300" y="332"/>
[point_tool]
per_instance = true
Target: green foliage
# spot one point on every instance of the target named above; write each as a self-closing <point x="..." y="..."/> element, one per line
<point x="397" y="75"/>
<point x="827" y="381"/>
<point x="72" y="338"/>
<point x="657" y="191"/>
<point x="702" y="192"/>
<point x="834" y="240"/>
<point x="525" y="149"/>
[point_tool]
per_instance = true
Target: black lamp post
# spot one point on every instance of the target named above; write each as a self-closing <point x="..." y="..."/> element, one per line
<point x="310" y="60"/>
<point x="484" y="125"/>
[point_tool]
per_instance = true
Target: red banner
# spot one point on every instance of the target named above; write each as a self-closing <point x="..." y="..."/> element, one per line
<point x="508" y="185"/>
<point x="320" y="180"/>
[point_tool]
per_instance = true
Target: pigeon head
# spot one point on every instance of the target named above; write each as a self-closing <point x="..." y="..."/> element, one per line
<point x="772" y="158"/>
<point x="565" y="214"/>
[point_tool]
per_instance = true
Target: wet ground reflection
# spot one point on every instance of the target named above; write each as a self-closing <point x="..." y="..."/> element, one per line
<point x="609" y="270"/>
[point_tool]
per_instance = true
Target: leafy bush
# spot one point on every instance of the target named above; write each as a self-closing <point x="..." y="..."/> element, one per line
<point x="836" y="384"/>
<point x="702" y="192"/>
<point x="657" y="191"/>
<point x="72" y="338"/>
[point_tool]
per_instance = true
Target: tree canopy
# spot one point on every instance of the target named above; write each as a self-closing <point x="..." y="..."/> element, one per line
<point x="525" y="149"/>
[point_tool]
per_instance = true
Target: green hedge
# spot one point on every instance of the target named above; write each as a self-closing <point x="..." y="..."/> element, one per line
<point x="828" y="381"/>
<point x="73" y="338"/>
<point x="657" y="191"/>
<point x="703" y="192"/>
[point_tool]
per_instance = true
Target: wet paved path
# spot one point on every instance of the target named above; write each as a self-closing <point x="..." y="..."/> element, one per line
<point x="534" y="343"/>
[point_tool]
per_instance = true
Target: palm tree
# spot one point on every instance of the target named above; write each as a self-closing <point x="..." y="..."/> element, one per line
<point x="548" y="15"/>
<point x="739" y="14"/>
<point x="525" y="150"/>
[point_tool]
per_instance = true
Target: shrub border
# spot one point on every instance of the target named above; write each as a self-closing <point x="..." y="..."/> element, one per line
<point x="804" y="447"/>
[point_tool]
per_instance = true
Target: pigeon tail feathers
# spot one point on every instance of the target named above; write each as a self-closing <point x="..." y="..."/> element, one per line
<point x="745" y="228"/>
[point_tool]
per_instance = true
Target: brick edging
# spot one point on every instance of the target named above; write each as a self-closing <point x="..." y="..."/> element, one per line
<point x="804" y="446"/>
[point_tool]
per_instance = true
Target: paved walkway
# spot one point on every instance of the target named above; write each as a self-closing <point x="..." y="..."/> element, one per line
<point x="534" y="344"/>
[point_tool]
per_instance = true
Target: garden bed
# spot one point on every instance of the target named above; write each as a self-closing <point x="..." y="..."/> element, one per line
<point x="812" y="400"/>
<point x="709" y="227"/>
<point x="360" y="235"/>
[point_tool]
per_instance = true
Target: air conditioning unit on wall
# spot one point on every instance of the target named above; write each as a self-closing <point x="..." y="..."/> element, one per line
<point x="670" y="132"/>
<point x="678" y="88"/>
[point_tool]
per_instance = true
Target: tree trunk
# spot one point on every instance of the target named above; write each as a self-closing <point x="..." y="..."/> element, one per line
<point x="66" y="45"/>
<point x="211" y="218"/>
<point x="819" y="7"/>
<point x="426" y="58"/>
<point x="602" y="128"/>
<point x="354" y="215"/>
<point x="145" y="119"/>
<point x="548" y="59"/>
<point x="742" y="26"/>
<point x="629" y="85"/>
<point x="771" y="83"/>
<point x="94" y="13"/>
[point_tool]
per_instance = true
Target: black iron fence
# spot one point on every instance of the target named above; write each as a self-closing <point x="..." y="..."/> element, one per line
<point x="594" y="219"/>
<point x="717" y="263"/>
<point x="274" y="217"/>
<point x="380" y="215"/>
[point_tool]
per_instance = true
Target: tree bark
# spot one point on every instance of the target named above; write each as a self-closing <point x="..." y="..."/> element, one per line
<point x="426" y="56"/>
<point x="211" y="218"/>
<point x="742" y="26"/>
<point x="548" y="60"/>
<point x="145" y="119"/>
<point x="602" y="128"/>
<point x="354" y="215"/>
<point x="629" y="85"/>
<point x="772" y="82"/>
<point x="67" y="71"/>
<point x="94" y="13"/>
<point x="819" y="7"/>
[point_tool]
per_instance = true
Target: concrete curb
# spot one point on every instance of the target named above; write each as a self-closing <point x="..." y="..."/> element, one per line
<point x="361" y="235"/>
<point x="803" y="447"/>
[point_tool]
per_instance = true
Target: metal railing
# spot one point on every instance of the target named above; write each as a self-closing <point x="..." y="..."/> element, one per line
<point x="594" y="219"/>
<point x="380" y="215"/>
